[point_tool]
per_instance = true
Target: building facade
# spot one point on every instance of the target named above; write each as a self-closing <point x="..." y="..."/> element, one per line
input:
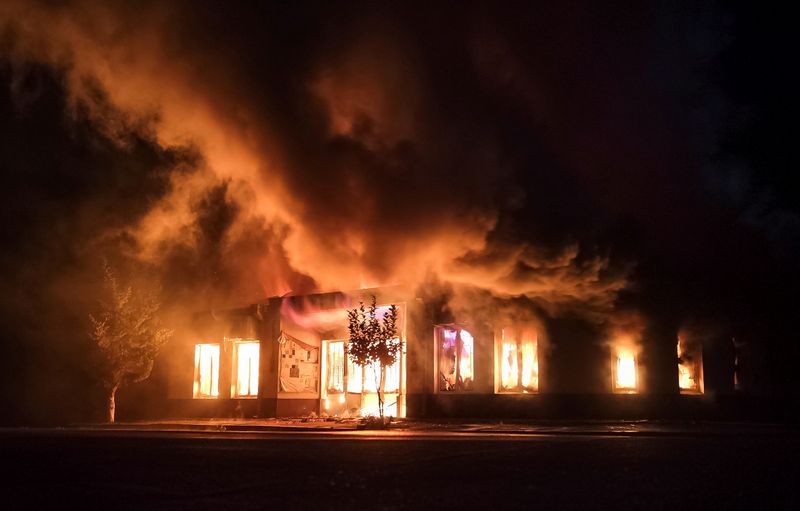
<point x="286" y="357"/>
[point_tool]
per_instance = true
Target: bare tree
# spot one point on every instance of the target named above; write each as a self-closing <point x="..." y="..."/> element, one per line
<point x="374" y="340"/>
<point x="128" y="333"/>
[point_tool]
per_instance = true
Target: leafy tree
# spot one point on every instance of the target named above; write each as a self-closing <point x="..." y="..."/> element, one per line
<point x="128" y="333"/>
<point x="374" y="341"/>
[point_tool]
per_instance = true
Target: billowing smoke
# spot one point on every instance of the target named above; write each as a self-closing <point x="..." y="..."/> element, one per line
<point x="523" y="157"/>
<point x="359" y="181"/>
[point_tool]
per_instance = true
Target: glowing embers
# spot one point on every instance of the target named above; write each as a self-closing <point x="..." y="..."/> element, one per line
<point x="518" y="360"/>
<point x="456" y="357"/>
<point x="245" y="363"/>
<point x="206" y="370"/>
<point x="624" y="370"/>
<point x="339" y="373"/>
<point x="690" y="367"/>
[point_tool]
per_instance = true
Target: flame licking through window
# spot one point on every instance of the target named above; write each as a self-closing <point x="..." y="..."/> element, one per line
<point x="518" y="361"/>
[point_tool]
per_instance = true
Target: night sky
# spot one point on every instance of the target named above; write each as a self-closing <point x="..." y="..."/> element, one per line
<point x="589" y="159"/>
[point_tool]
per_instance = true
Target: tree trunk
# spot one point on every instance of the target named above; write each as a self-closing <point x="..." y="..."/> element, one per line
<point x="381" y="386"/>
<point x="363" y="390"/>
<point x="112" y="405"/>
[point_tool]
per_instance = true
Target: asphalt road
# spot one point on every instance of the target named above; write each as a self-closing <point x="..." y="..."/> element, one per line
<point x="49" y="469"/>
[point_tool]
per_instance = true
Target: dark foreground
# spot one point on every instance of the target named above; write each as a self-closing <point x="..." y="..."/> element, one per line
<point x="141" y="470"/>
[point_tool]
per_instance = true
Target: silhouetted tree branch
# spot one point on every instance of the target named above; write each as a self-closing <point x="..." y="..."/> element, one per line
<point x="374" y="341"/>
<point x="127" y="331"/>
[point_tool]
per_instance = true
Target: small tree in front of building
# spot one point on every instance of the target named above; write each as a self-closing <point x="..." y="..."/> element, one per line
<point x="128" y="333"/>
<point x="374" y="342"/>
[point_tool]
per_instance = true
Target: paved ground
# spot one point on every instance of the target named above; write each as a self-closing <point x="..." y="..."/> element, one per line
<point x="156" y="469"/>
<point x="429" y="427"/>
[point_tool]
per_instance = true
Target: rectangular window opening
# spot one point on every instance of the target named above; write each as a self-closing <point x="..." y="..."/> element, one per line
<point x="455" y="358"/>
<point x="341" y="373"/>
<point x="518" y="360"/>
<point x="690" y="366"/>
<point x="245" y="363"/>
<point x="624" y="371"/>
<point x="206" y="370"/>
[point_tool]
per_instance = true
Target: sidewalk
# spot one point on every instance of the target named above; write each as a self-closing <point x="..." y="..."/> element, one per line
<point x="415" y="427"/>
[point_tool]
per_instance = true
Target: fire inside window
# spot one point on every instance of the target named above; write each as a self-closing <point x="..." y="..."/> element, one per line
<point x="356" y="379"/>
<point x="456" y="350"/>
<point x="624" y="370"/>
<point x="246" y="355"/>
<point x="206" y="370"/>
<point x="690" y="367"/>
<point x="334" y="380"/>
<point x="518" y="360"/>
<point x="371" y="377"/>
<point x="340" y="373"/>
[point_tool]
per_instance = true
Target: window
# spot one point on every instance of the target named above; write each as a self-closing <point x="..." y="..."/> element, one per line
<point x="690" y="367"/>
<point x="335" y="367"/>
<point x="371" y="377"/>
<point x="356" y="380"/>
<point x="624" y="370"/>
<point x="335" y="374"/>
<point x="455" y="347"/>
<point x="518" y="360"/>
<point x="340" y="373"/>
<point x="245" y="363"/>
<point x="206" y="370"/>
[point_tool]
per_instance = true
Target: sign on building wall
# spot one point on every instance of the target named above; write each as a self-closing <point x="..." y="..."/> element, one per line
<point x="299" y="365"/>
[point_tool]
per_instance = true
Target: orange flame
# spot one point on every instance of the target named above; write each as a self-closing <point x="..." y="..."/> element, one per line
<point x="625" y="369"/>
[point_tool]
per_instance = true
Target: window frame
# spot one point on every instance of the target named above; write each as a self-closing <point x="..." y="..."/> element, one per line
<point x="615" y="357"/>
<point x="345" y="376"/>
<point x="693" y="353"/>
<point x="500" y="340"/>
<point x="236" y="343"/>
<point x="197" y="391"/>
<point x="438" y="336"/>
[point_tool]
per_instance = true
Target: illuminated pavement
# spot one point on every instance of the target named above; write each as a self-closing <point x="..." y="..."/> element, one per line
<point x="722" y="466"/>
<point x="418" y="428"/>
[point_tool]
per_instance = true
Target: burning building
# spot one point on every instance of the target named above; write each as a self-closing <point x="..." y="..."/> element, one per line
<point x="375" y="155"/>
<point x="287" y="357"/>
